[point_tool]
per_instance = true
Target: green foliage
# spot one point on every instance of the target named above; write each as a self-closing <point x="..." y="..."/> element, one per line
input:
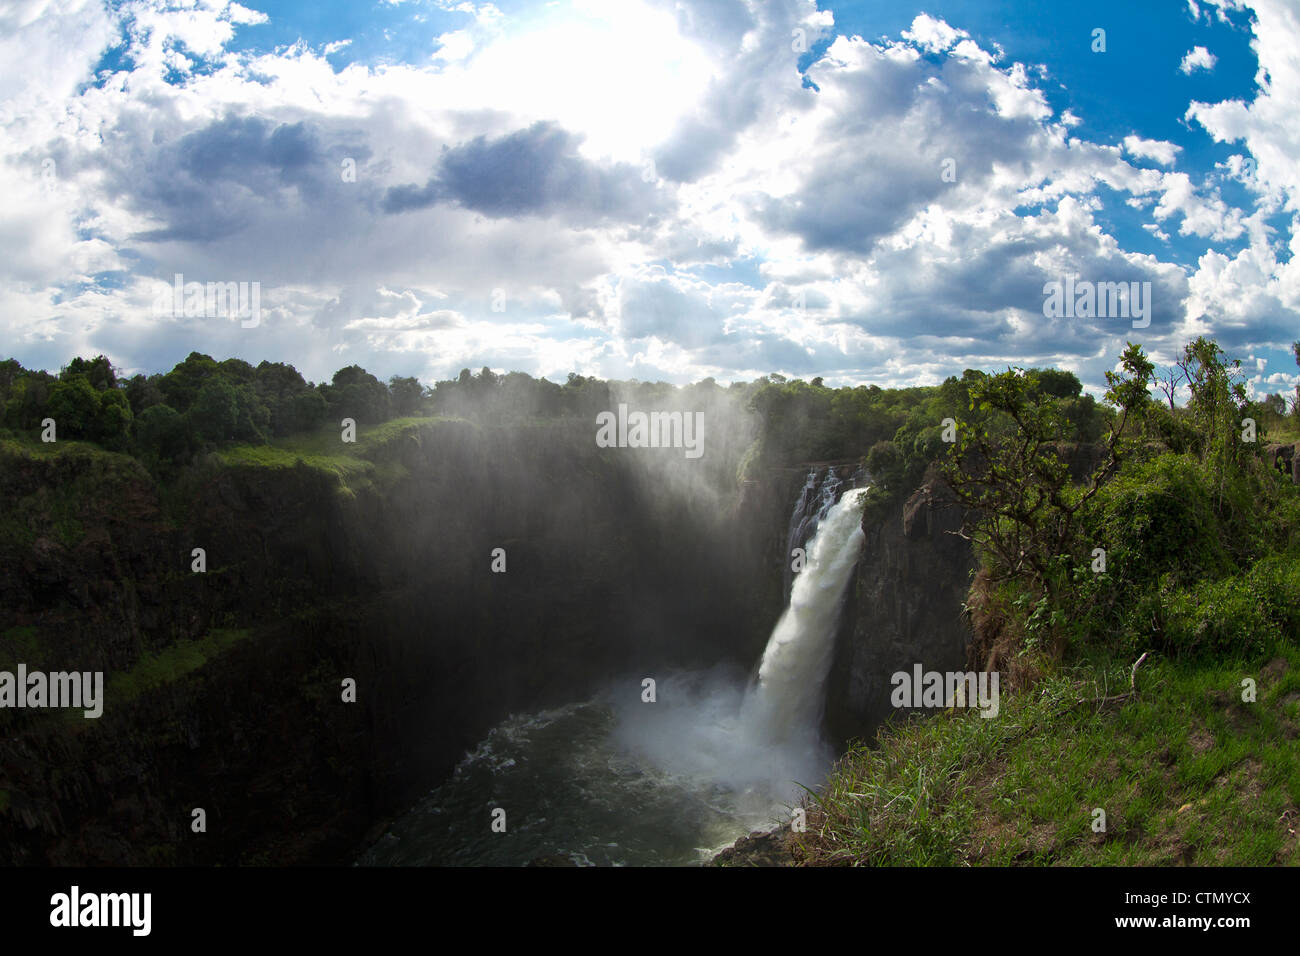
<point x="215" y="413"/>
<point x="1194" y="563"/>
<point x="1007" y="468"/>
<point x="1200" y="539"/>
<point x="224" y="411"/>
<point x="1246" y="613"/>
<point x="886" y="464"/>
<point x="74" y="406"/>
<point x="26" y="400"/>
<point x="160" y="434"/>
<point x="113" y="421"/>
<point x="357" y="394"/>
<point x="97" y="371"/>
<point x="143" y="392"/>
<point x="407" y="393"/>
<point x="1158" y="527"/>
<point x="1217" y="405"/>
<point x="180" y="387"/>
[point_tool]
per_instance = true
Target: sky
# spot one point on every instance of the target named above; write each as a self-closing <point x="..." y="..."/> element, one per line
<point x="667" y="190"/>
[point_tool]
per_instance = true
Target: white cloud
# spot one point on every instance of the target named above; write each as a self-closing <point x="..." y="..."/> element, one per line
<point x="1161" y="151"/>
<point x="511" y="160"/>
<point x="1198" y="58"/>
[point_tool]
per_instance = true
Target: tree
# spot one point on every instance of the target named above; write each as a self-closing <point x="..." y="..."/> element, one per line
<point x="28" y="400"/>
<point x="293" y="405"/>
<point x="160" y="434"/>
<point x="306" y="410"/>
<point x="98" y="371"/>
<point x="1168" y="381"/>
<point x="1217" y="403"/>
<point x="143" y="392"/>
<point x="1006" y="469"/>
<point x="74" y="406"/>
<point x="885" y="465"/>
<point x="1059" y="383"/>
<point x="112" y="427"/>
<point x="10" y="372"/>
<point x="355" y="393"/>
<point x="181" y="385"/>
<point x="408" y="394"/>
<point x="215" y="413"/>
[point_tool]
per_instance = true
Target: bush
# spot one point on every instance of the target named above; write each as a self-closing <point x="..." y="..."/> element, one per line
<point x="1157" y="525"/>
<point x="1245" y="614"/>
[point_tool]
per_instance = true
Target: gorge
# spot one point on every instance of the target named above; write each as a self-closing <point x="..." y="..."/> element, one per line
<point x="619" y="565"/>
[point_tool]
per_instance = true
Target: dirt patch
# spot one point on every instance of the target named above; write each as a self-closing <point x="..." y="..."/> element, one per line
<point x="1273" y="670"/>
<point x="1200" y="741"/>
<point x="1250" y="771"/>
<point x="1042" y="838"/>
<point x="989" y="832"/>
<point x="1238" y="714"/>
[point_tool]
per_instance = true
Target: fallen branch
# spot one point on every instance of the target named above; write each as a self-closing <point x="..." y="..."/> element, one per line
<point x="1132" y="683"/>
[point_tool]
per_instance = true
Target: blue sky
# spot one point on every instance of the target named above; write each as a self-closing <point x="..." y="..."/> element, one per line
<point x="652" y="189"/>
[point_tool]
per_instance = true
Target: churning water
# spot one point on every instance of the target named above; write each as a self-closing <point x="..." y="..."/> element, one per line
<point x="617" y="781"/>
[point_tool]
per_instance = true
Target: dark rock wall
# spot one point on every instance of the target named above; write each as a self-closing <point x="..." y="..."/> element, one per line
<point x="904" y="608"/>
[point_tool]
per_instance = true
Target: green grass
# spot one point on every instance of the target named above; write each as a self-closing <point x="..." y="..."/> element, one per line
<point x="75" y="475"/>
<point x="1186" y="772"/>
<point x="354" y="465"/>
<point x="31" y="446"/>
<point x="1281" y="432"/>
<point x="169" y="665"/>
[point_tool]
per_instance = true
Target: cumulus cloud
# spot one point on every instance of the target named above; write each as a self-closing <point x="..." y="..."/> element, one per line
<point x="650" y="190"/>
<point x="1161" y="151"/>
<point x="1252" y="297"/>
<point x="532" y="172"/>
<point x="1198" y="58"/>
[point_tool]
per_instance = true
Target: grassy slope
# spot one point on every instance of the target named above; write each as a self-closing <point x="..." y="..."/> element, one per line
<point x="323" y="449"/>
<point x="1186" y="771"/>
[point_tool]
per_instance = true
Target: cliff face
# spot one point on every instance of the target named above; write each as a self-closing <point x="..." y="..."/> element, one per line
<point x="225" y="688"/>
<point x="904" y="608"/>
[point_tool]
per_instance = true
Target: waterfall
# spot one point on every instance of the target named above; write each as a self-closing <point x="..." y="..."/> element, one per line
<point x="815" y="501"/>
<point x="618" y="780"/>
<point x="785" y="703"/>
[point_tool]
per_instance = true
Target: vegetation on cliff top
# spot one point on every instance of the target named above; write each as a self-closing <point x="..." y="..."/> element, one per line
<point x="1146" y="622"/>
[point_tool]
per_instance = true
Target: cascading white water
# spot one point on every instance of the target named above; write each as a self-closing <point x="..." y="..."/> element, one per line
<point x="785" y="704"/>
<point x="814" y="503"/>
<point x="616" y="780"/>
